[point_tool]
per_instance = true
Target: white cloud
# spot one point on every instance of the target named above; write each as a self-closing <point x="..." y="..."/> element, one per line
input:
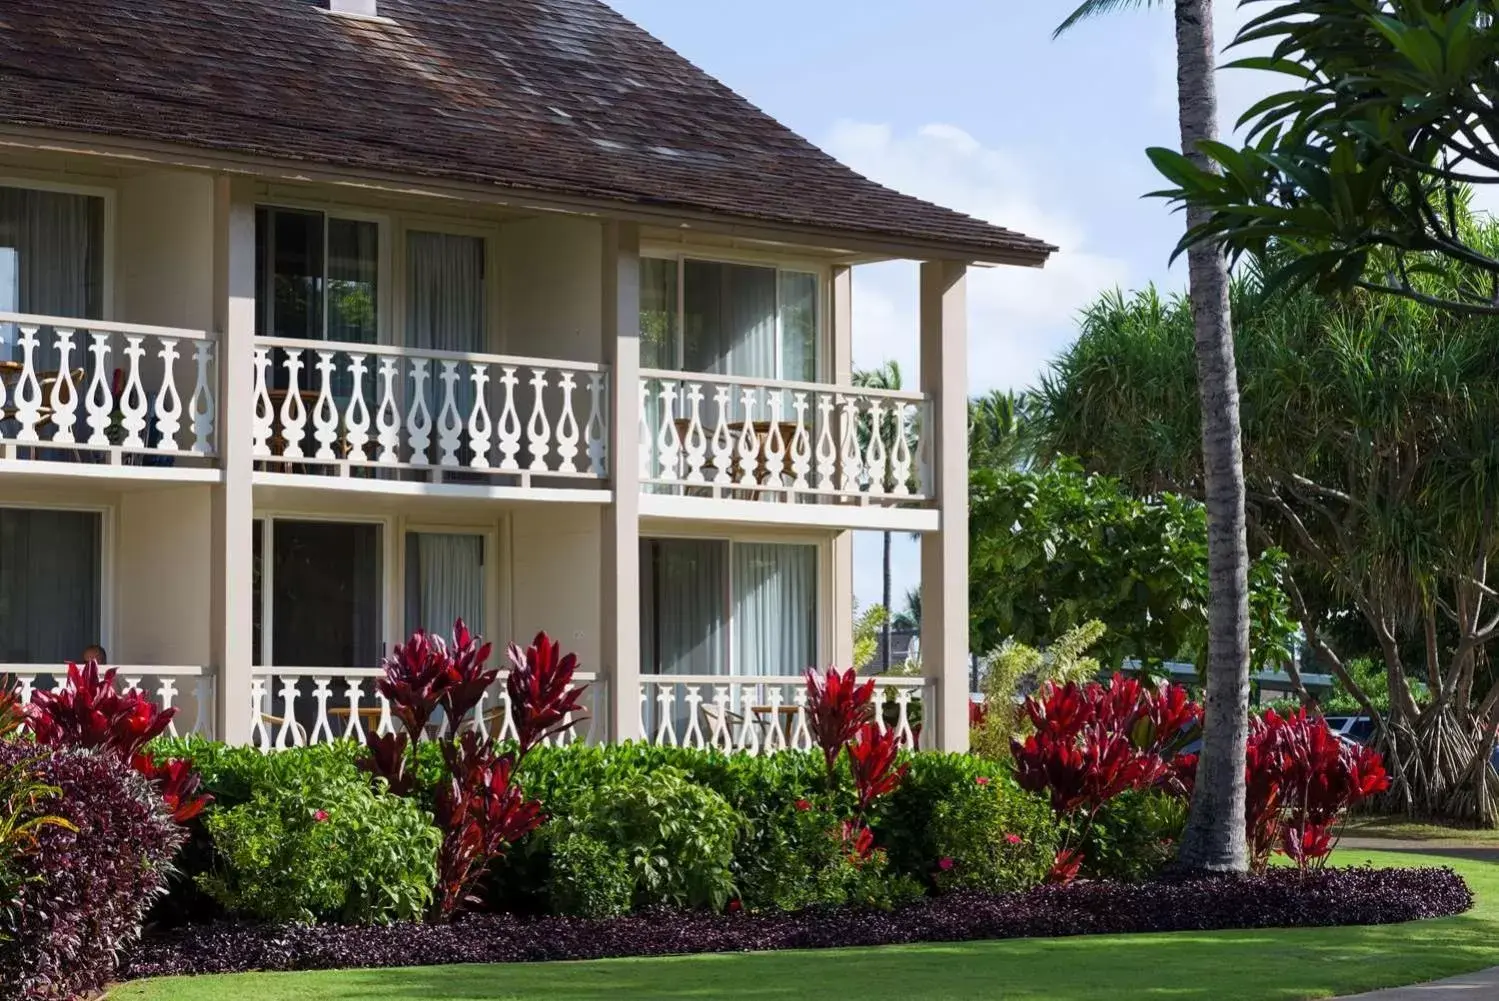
<point x="1018" y="317"/>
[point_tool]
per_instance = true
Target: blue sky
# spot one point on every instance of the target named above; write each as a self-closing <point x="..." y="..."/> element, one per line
<point x="971" y="104"/>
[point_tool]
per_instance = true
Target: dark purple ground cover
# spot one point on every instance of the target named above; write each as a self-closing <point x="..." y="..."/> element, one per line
<point x="1279" y="898"/>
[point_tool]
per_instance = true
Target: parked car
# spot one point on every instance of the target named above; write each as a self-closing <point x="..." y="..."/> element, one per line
<point x="1359" y="729"/>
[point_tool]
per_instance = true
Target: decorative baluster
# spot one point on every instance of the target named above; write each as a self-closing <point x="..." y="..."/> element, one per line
<point x="827" y="449"/>
<point x="596" y="433"/>
<point x="693" y="737"/>
<point x="723" y="439"/>
<point x="293" y="411"/>
<point x="668" y="443"/>
<point x="775" y="445"/>
<point x="419" y="418"/>
<point x="203" y="694"/>
<point x="265" y="413"/>
<point x="924" y="448"/>
<point x="201" y="405"/>
<point x="508" y="729"/>
<point x="775" y="740"/>
<point x="28" y="387"/>
<point x="320" y="692"/>
<point x="325" y="411"/>
<point x="168" y="400"/>
<point x="388" y="416"/>
<point x="900" y="453"/>
<point x="26" y="685"/>
<point x="874" y="456"/>
<point x="538" y="431"/>
<point x="479" y="425"/>
<point x="850" y="464"/>
<point x="288" y="735"/>
<point x="879" y="709"/>
<point x="749" y="442"/>
<point x="133" y="401"/>
<point x="567" y="426"/>
<point x="749" y="732"/>
<point x="723" y="736"/>
<point x="645" y="685"/>
<point x="449" y="424"/>
<point x="647" y="433"/>
<point x="903" y="718"/>
<point x="385" y="725"/>
<point x="354" y="729"/>
<point x="357" y="413"/>
<point x="509" y="429"/>
<point x="801" y="445"/>
<point x="801" y="733"/>
<point x="64" y="396"/>
<point x="666" y="724"/>
<point x="695" y="442"/>
<point x="3" y="328"/>
<point x="166" y="695"/>
<point x="258" y="714"/>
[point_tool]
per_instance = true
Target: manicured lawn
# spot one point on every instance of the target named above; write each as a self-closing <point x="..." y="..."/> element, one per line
<point x="1272" y="965"/>
<point x="1410" y="830"/>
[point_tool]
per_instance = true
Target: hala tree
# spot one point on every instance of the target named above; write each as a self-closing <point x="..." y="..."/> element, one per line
<point x="1359" y="172"/>
<point x="1053" y="549"/>
<point x="1369" y="461"/>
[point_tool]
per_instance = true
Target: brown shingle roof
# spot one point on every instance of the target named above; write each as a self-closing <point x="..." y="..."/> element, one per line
<point x="561" y="97"/>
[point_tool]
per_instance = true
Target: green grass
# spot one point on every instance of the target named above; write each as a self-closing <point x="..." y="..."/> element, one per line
<point x="1400" y="829"/>
<point x="1273" y="965"/>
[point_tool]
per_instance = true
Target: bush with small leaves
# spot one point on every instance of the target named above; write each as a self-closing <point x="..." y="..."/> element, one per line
<point x="589" y="879"/>
<point x="994" y="837"/>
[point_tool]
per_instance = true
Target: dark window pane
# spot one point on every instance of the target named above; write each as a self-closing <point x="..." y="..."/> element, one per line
<point x="353" y="271"/>
<point x="729" y="319"/>
<point x="290" y="269"/>
<point x="49" y="585"/>
<point x="326" y="594"/>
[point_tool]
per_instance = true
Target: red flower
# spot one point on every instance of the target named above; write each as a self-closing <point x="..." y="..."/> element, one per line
<point x="320" y="816"/>
<point x="982" y="780"/>
<point x="735" y="906"/>
<point x="1014" y="839"/>
<point x="1064" y="869"/>
<point x="944" y="864"/>
<point x="803" y="805"/>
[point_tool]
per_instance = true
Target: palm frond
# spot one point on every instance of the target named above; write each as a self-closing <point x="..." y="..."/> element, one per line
<point x="1097" y="8"/>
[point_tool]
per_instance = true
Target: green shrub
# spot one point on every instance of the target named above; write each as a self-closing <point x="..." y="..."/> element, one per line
<point x="996" y="838"/>
<point x="677" y="837"/>
<point x="589" y="878"/>
<point x="903" y="823"/>
<point x="1134" y="836"/>
<point x="318" y="841"/>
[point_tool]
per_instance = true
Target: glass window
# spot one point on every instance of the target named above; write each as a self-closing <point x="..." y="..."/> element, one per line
<point x="316" y="276"/>
<point x="445" y="298"/>
<point x="326" y="593"/>
<point x="51" y="253"/>
<point x="444" y="581"/>
<point x="714" y="607"/>
<point x="50" y="584"/>
<point x="734" y="319"/>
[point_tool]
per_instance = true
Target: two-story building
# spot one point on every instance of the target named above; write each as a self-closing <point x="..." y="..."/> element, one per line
<point x="322" y="320"/>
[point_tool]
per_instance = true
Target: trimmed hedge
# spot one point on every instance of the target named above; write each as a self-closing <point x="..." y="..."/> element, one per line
<point x="1278" y="898"/>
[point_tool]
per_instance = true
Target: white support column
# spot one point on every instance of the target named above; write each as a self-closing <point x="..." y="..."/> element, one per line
<point x="842" y="583"/>
<point x="231" y="557"/>
<point x="944" y="553"/>
<point x="619" y="618"/>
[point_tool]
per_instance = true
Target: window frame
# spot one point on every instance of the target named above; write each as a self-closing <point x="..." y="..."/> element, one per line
<point x="382" y="221"/>
<point x="491" y="555"/>
<point x="109" y="196"/>
<point x="821" y="271"/>
<point x="106" y="515"/>
<point x="824" y="547"/>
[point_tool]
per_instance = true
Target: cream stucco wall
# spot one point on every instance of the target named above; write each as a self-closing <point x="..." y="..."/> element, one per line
<point x="551" y="287"/>
<point x="161" y="585"/>
<point x="164" y="270"/>
<point x="554" y="576"/>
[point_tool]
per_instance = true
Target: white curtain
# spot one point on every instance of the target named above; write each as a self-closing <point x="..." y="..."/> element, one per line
<point x="444" y="292"/>
<point x="775" y="609"/>
<point x="683" y="602"/>
<point x="51" y="260"/>
<point x="449" y="581"/>
<point x="49" y="585"/>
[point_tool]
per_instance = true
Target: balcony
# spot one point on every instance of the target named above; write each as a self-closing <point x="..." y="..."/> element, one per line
<point x="378" y="412"/>
<point x="77" y="395"/>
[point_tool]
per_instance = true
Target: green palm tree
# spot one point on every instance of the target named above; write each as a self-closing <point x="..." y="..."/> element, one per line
<point x="1214" y="836"/>
<point x="886" y="376"/>
<point x="998" y="436"/>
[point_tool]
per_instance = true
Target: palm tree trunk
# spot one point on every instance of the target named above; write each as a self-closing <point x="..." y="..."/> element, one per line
<point x="889" y="613"/>
<point x="1214" y="836"/>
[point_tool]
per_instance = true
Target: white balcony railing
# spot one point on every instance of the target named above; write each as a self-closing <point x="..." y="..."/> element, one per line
<point x="760" y="715"/>
<point x="729" y="436"/>
<point x="84" y="390"/>
<point x="190" y="690"/>
<point x="297" y="706"/>
<point x="334" y="407"/>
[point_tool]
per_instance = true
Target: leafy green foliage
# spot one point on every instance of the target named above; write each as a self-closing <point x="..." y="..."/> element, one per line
<point x="805" y="862"/>
<point x="589" y="878"/>
<point x="1133" y="837"/>
<point x="315" y="840"/>
<point x="996" y="838"/>
<point x="1051" y="550"/>
<point x="1014" y="665"/>
<point x="677" y="837"/>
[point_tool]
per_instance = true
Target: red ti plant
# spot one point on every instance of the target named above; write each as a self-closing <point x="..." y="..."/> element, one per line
<point x="424" y="673"/>
<point x="872" y="758"/>
<point x="11" y="716"/>
<point x="386" y="758"/>
<point x="87" y="710"/>
<point x="838" y="705"/>
<point x="481" y="811"/>
<point x="542" y="695"/>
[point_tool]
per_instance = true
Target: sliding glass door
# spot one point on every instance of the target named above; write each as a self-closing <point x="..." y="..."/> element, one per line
<point x="51" y="584"/>
<point x="444" y="581"/>
<point x="326" y="587"/>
